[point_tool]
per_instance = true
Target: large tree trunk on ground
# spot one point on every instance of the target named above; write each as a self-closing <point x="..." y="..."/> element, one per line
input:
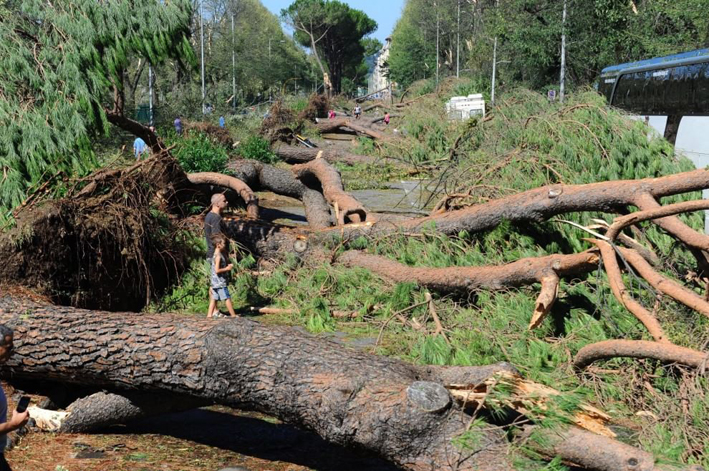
<point x="360" y="127"/>
<point x="347" y="208"/>
<point x="211" y="178"/>
<point x="299" y="155"/>
<point x="540" y="204"/>
<point x="402" y="412"/>
<point x="346" y="396"/>
<point x="260" y="176"/>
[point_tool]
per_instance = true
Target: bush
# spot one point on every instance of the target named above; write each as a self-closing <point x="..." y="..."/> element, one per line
<point x="257" y="148"/>
<point x="197" y="153"/>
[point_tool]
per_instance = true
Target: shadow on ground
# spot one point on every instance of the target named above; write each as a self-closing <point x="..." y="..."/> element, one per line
<point x="258" y="438"/>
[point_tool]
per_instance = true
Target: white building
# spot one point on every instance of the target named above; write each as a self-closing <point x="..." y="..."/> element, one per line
<point x="378" y="79"/>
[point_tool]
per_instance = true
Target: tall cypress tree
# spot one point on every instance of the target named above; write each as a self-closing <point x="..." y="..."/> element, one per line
<point x="61" y="79"/>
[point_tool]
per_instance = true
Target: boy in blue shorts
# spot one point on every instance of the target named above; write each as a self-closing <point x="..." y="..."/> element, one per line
<point x="219" y="275"/>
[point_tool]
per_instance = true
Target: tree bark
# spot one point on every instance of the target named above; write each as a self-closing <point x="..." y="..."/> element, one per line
<point x="640" y="349"/>
<point x="523" y="272"/>
<point x="260" y="176"/>
<point x="331" y="125"/>
<point x="347" y="208"/>
<point x="218" y="179"/>
<point x="540" y="204"/>
<point x="394" y="409"/>
<point x="399" y="411"/>
<point x="299" y="155"/>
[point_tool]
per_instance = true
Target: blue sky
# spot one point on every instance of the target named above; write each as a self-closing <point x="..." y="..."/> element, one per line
<point x="384" y="12"/>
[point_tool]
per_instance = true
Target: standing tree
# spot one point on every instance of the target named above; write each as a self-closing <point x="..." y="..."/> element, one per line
<point x="62" y="74"/>
<point x="334" y="32"/>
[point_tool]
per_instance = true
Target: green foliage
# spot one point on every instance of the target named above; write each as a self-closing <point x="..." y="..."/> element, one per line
<point x="336" y="31"/>
<point x="57" y="63"/>
<point x="599" y="33"/>
<point x="257" y="148"/>
<point x="197" y="153"/>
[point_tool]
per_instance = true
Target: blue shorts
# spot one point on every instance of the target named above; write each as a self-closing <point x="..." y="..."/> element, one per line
<point x="220" y="294"/>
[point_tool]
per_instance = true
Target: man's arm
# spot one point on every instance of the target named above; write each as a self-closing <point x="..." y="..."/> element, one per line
<point x="18" y="420"/>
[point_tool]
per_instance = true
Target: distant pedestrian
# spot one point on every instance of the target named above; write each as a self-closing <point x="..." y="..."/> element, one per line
<point x="178" y="126"/>
<point x="331" y="114"/>
<point x="357" y="111"/>
<point x="139" y="148"/>
<point x="387" y="118"/>
<point x="221" y="121"/>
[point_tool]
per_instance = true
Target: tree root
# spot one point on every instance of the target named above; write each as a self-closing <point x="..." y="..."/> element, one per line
<point x="347" y="208"/>
<point x="666" y="352"/>
<point x="225" y="181"/>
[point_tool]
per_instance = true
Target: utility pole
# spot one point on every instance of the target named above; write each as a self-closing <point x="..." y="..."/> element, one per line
<point x="201" y="35"/>
<point x="438" y="24"/>
<point x="562" y="77"/>
<point x="233" y="66"/>
<point x="457" y="54"/>
<point x="494" y="67"/>
<point x="150" y="92"/>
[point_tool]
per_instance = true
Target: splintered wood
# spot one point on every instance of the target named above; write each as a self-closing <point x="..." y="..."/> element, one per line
<point x="525" y="397"/>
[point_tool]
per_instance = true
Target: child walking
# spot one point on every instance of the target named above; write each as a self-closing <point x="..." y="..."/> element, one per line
<point x="218" y="277"/>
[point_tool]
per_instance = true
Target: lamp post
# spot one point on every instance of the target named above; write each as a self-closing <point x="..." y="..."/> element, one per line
<point x="201" y="40"/>
<point x="233" y="66"/>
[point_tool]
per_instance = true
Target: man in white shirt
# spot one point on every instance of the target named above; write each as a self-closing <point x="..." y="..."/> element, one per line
<point x="18" y="418"/>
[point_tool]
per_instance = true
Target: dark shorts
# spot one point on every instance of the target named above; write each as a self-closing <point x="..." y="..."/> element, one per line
<point x="220" y="294"/>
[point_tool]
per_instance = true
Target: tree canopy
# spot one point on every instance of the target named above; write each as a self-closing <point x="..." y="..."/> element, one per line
<point x="61" y="78"/>
<point x="599" y="33"/>
<point x="334" y="32"/>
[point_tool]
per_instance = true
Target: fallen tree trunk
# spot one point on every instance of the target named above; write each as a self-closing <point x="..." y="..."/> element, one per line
<point x="347" y="208"/>
<point x="347" y="397"/>
<point x="226" y="181"/>
<point x="540" y="204"/>
<point x="523" y="272"/>
<point x="361" y="127"/>
<point x="260" y="176"/>
<point x="399" y="411"/>
<point x="299" y="155"/>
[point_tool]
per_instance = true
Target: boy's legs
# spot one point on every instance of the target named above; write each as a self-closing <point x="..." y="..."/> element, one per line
<point x="230" y="307"/>
<point x="212" y="304"/>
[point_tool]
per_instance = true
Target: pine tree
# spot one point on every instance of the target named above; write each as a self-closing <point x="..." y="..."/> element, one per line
<point x="61" y="79"/>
